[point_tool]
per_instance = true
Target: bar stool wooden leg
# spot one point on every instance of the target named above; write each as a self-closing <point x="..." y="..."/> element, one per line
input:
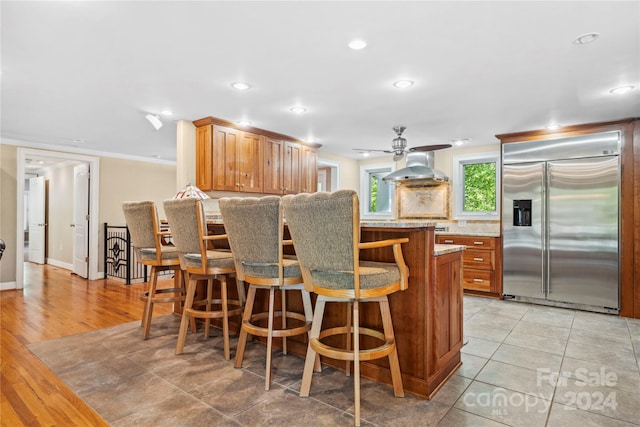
<point x="356" y="361"/>
<point x="188" y="304"/>
<point x="394" y="364"/>
<point x="308" y="314"/>
<point x="283" y="294"/>
<point x="267" y="381"/>
<point x="246" y="317"/>
<point x="349" y="326"/>
<point x="148" y="307"/>
<point x="310" y="360"/>
<point x="225" y="317"/>
<point x="207" y="321"/>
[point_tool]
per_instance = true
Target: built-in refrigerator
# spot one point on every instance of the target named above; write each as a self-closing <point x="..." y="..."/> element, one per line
<point x="560" y="221"/>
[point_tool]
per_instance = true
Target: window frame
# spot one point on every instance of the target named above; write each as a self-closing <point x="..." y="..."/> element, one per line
<point x="365" y="198"/>
<point x="459" y="162"/>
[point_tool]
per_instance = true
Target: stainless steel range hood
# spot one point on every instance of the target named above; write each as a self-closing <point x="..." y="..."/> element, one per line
<point x="419" y="168"/>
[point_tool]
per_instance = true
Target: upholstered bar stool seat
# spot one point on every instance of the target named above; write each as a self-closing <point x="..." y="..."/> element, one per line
<point x="187" y="222"/>
<point x="255" y="229"/>
<point x="325" y="229"/>
<point x="142" y="220"/>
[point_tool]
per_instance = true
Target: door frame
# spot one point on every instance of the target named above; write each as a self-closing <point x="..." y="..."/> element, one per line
<point x="94" y="197"/>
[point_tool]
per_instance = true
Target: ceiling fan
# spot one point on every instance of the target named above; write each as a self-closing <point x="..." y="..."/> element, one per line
<point x="399" y="146"/>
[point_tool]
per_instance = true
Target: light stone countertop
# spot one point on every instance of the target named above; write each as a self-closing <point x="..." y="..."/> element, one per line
<point x="439" y="249"/>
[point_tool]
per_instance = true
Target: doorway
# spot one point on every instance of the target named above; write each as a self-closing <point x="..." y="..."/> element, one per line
<point x="82" y="190"/>
<point x="328" y="175"/>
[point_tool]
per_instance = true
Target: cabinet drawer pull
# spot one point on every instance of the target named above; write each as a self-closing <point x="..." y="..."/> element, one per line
<point x="478" y="280"/>
<point x="478" y="243"/>
<point x="448" y="241"/>
<point x="478" y="259"/>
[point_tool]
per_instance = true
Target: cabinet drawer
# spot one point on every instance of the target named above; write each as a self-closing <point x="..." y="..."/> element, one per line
<point x="469" y="241"/>
<point x="477" y="280"/>
<point x="479" y="259"/>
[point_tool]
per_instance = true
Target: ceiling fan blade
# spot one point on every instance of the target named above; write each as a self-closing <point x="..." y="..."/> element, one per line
<point x="366" y="150"/>
<point x="430" y="147"/>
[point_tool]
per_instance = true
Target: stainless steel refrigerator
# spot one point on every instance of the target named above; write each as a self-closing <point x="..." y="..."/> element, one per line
<point x="560" y="221"/>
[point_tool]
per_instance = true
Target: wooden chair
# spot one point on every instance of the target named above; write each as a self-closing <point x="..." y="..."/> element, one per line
<point x="255" y="230"/>
<point x="189" y="230"/>
<point x="146" y="237"/>
<point x="325" y="228"/>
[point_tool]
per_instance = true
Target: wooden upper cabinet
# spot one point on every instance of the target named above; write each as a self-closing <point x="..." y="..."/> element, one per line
<point x="249" y="162"/>
<point x="309" y="170"/>
<point x="292" y="157"/>
<point x="282" y="167"/>
<point x="252" y="160"/>
<point x="225" y="149"/>
<point x="273" y="171"/>
<point x="204" y="157"/>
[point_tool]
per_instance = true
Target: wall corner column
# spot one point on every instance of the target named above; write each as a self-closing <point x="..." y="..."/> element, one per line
<point x="185" y="154"/>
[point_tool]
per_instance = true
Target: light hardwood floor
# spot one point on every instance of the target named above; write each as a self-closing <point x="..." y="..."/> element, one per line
<point x="54" y="303"/>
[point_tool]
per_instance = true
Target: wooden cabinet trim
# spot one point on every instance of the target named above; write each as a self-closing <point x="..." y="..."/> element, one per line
<point x="220" y="122"/>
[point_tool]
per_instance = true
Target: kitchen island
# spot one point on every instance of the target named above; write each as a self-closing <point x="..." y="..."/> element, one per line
<point x="427" y="317"/>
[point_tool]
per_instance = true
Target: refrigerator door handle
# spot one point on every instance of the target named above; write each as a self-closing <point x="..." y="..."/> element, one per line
<point x="545" y="231"/>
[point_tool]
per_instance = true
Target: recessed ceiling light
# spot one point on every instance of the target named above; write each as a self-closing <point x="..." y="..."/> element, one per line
<point x="586" y="38"/>
<point x="166" y="112"/>
<point x="365" y="154"/>
<point x="244" y="122"/>
<point x="552" y="127"/>
<point x="460" y="141"/>
<point x="310" y="140"/>
<point x="401" y="84"/>
<point x="622" y="90"/>
<point x="298" y="109"/>
<point x="240" y="85"/>
<point x="357" y="44"/>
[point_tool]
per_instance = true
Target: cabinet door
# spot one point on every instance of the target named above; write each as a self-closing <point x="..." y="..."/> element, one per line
<point x="250" y="162"/>
<point x="273" y="166"/>
<point x="204" y="153"/>
<point x="446" y="315"/>
<point x="292" y="154"/>
<point x="225" y="148"/>
<point x="309" y="170"/>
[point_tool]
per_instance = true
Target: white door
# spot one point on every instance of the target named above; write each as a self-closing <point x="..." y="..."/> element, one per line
<point x="36" y="219"/>
<point x="80" y="220"/>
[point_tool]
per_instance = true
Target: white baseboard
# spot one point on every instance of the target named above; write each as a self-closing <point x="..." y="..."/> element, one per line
<point x="60" y="264"/>
<point x="5" y="286"/>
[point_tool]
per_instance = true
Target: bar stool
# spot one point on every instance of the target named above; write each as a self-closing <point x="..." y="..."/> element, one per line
<point x="187" y="222"/>
<point x="146" y="237"/>
<point x="325" y="228"/>
<point x="255" y="229"/>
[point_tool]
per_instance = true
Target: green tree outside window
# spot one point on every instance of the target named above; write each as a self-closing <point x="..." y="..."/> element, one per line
<point x="479" y="187"/>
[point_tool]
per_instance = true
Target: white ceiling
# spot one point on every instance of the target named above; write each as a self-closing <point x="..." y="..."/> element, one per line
<point x="91" y="70"/>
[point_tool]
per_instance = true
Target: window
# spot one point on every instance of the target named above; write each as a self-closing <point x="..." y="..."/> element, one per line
<point x="476" y="183"/>
<point x="376" y="195"/>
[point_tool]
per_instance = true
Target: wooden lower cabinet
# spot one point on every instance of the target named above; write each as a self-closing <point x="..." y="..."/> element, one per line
<point x="482" y="263"/>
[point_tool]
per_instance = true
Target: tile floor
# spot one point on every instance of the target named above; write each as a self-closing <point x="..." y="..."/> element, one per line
<point x="523" y="365"/>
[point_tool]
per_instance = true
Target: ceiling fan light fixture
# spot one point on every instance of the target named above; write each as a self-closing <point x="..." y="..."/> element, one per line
<point x="154" y="120"/>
